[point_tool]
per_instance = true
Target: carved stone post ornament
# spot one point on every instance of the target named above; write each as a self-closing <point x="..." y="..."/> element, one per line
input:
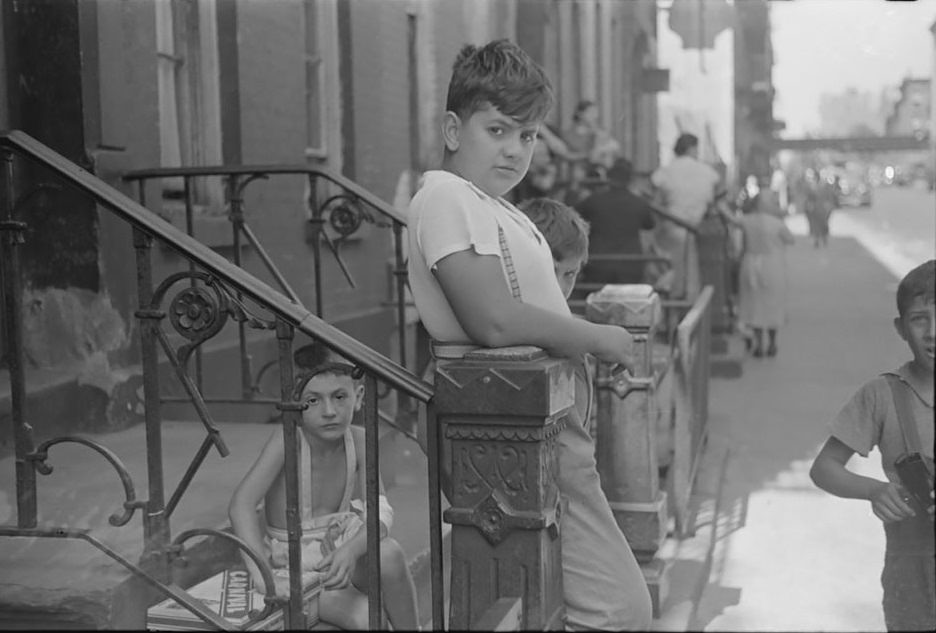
<point x="626" y="421"/>
<point x="500" y="410"/>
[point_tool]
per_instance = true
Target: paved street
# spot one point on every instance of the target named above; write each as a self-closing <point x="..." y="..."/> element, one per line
<point x="786" y="556"/>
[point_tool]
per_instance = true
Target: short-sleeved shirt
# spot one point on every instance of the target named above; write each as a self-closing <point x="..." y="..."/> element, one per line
<point x="688" y="187"/>
<point x="869" y="419"/>
<point x="450" y="214"/>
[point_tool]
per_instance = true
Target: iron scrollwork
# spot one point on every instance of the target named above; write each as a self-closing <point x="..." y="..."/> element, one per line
<point x="345" y="214"/>
<point x="39" y="456"/>
<point x="200" y="312"/>
<point x="271" y="600"/>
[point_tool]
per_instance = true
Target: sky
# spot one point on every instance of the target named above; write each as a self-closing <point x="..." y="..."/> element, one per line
<point x="830" y="45"/>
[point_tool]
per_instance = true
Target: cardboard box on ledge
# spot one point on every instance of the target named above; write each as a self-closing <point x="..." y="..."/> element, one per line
<point x="231" y="594"/>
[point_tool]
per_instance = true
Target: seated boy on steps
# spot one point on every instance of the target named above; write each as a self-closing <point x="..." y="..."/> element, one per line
<point x="331" y="488"/>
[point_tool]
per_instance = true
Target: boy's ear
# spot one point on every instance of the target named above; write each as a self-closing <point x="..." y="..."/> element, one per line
<point x="451" y="126"/>
<point x="899" y="326"/>
<point x="358" y="397"/>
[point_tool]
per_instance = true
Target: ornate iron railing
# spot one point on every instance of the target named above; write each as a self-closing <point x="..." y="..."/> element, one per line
<point x="345" y="212"/>
<point x="217" y="290"/>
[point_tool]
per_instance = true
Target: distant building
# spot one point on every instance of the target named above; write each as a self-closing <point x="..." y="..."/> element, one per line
<point x="753" y="89"/>
<point x="850" y="113"/>
<point x="696" y="44"/>
<point x="912" y="111"/>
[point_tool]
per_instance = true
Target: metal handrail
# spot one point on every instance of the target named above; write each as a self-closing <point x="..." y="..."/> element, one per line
<point x="296" y="315"/>
<point x="289" y="317"/>
<point x="237" y="170"/>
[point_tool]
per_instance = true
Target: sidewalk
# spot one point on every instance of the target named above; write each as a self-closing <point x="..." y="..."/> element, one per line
<point x="773" y="552"/>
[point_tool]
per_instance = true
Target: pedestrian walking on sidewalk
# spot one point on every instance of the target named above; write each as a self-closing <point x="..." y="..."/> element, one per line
<point x="894" y="412"/>
<point x="482" y="274"/>
<point x="820" y="202"/>
<point x="762" y="293"/>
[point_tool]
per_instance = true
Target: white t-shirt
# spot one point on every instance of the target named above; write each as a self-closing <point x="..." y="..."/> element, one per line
<point x="688" y="186"/>
<point x="448" y="215"/>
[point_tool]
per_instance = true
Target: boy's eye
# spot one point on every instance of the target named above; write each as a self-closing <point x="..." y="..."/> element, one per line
<point x="496" y="130"/>
<point x="311" y="401"/>
<point x="529" y="137"/>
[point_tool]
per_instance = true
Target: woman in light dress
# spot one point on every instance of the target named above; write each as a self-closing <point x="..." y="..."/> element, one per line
<point x="763" y="278"/>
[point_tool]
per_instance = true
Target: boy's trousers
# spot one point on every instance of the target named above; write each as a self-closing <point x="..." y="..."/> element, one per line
<point x="603" y="585"/>
<point x="909" y="575"/>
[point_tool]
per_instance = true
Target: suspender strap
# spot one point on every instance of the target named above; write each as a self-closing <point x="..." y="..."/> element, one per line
<point x="908" y="429"/>
<point x="508" y="264"/>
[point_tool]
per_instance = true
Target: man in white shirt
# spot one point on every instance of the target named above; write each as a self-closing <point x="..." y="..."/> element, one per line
<point x="686" y="187"/>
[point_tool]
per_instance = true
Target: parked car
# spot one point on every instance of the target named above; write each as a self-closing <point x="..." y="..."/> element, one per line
<point x="855" y="192"/>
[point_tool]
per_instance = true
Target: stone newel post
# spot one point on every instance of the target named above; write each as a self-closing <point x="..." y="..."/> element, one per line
<point x="626" y="421"/>
<point x="499" y="412"/>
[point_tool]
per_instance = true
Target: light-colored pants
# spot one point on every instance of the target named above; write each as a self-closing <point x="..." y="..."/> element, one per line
<point x="603" y="585"/>
<point x="328" y="533"/>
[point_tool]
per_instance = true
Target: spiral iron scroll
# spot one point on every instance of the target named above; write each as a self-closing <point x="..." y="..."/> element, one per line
<point x="39" y="456"/>
<point x="200" y="312"/>
<point x="271" y="600"/>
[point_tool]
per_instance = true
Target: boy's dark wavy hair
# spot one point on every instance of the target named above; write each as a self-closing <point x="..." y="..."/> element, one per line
<point x="919" y="282"/>
<point x="565" y="230"/>
<point x="684" y="143"/>
<point x="314" y="359"/>
<point x="502" y="74"/>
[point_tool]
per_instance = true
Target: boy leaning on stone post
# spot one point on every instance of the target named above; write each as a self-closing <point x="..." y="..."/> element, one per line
<point x="482" y="274"/>
<point x="894" y="411"/>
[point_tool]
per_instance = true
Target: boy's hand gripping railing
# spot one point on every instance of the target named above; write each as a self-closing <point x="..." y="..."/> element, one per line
<point x="500" y="411"/>
<point x="626" y="419"/>
<point x="197" y="311"/>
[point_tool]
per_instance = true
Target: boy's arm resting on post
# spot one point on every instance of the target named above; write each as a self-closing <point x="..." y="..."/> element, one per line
<point x="252" y="489"/>
<point x="474" y="286"/>
<point x="829" y="473"/>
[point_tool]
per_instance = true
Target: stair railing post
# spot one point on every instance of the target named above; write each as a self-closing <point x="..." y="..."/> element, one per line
<point x="156" y="531"/>
<point x="626" y="428"/>
<point x="499" y="412"/>
<point x="292" y="414"/>
<point x="11" y="238"/>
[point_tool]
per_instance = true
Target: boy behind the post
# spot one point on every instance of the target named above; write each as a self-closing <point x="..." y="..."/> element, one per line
<point x="875" y="416"/>
<point x="481" y="274"/>
<point x="566" y="233"/>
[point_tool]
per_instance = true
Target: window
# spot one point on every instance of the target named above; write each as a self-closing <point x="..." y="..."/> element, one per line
<point x="323" y="106"/>
<point x="189" y="96"/>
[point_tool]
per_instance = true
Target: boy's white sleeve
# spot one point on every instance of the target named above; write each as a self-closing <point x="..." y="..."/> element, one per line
<point x="858" y="424"/>
<point x="384" y="510"/>
<point x="453" y="220"/>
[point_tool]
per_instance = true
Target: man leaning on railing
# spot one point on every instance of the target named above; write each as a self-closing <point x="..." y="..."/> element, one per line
<point x="685" y="188"/>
